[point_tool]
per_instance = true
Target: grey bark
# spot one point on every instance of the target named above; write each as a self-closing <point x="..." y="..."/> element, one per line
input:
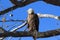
<point x="28" y="34"/>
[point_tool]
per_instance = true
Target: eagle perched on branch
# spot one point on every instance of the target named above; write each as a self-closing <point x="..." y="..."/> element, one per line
<point x="33" y="22"/>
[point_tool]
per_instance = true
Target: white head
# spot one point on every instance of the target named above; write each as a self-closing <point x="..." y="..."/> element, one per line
<point x="30" y="11"/>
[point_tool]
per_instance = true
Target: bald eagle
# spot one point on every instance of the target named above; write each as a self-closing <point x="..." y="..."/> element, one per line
<point x="33" y="22"/>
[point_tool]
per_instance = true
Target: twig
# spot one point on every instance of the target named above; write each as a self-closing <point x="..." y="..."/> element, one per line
<point x="14" y="21"/>
<point x="22" y="25"/>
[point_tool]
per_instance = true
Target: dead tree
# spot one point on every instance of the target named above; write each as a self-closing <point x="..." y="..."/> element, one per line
<point x="13" y="32"/>
<point x="24" y="3"/>
<point x="43" y="33"/>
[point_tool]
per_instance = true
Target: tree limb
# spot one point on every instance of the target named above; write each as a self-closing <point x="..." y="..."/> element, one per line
<point x="54" y="2"/>
<point x="2" y="31"/>
<point x="29" y="34"/>
<point x="22" y="25"/>
<point x="9" y="9"/>
<point x="19" y="4"/>
<point x="48" y="16"/>
<point x="23" y="2"/>
<point x="13" y="21"/>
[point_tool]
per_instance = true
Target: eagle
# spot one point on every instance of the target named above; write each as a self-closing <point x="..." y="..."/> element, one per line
<point x="33" y="22"/>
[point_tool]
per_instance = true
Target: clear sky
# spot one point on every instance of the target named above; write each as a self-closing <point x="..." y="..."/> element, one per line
<point x="39" y="7"/>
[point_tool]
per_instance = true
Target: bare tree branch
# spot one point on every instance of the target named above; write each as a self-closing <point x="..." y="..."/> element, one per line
<point x="29" y="34"/>
<point x="13" y="21"/>
<point x="26" y="2"/>
<point x="19" y="4"/>
<point x="1" y="38"/>
<point x="48" y="16"/>
<point x="23" y="2"/>
<point x="22" y="25"/>
<point x="9" y="9"/>
<point x="54" y="2"/>
<point x="2" y="31"/>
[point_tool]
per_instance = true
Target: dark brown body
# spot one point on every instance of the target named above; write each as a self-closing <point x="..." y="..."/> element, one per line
<point x="33" y="22"/>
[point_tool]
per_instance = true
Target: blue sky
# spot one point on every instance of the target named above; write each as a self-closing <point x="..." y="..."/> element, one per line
<point x="39" y="7"/>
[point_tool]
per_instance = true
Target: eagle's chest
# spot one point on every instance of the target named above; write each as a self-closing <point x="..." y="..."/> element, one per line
<point x="30" y="18"/>
<point x="33" y="22"/>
